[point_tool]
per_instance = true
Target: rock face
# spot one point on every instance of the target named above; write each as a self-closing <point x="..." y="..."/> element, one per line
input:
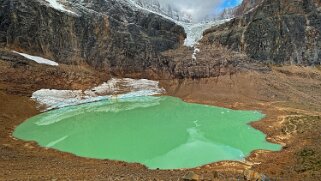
<point x="246" y="6"/>
<point x="106" y="34"/>
<point x="276" y="31"/>
<point x="119" y="38"/>
<point x="227" y="13"/>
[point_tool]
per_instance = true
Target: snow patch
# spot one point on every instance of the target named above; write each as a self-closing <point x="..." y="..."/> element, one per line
<point x="194" y="56"/>
<point x="58" y="6"/>
<point x="196" y="51"/>
<point x="113" y="89"/>
<point x="39" y="60"/>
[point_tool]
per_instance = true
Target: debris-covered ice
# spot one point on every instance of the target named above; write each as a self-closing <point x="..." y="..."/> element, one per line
<point x="113" y="89"/>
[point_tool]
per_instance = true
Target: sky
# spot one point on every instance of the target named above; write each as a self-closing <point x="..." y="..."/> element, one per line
<point x="229" y="3"/>
<point x="200" y="8"/>
<point x="226" y="4"/>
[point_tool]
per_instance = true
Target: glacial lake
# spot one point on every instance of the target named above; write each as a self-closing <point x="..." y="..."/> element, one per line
<point x="158" y="132"/>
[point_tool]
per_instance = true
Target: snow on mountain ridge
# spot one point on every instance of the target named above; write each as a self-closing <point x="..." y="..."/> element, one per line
<point x="60" y="7"/>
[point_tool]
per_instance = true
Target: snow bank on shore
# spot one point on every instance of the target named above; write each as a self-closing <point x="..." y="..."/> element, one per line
<point x="39" y="60"/>
<point x="113" y="89"/>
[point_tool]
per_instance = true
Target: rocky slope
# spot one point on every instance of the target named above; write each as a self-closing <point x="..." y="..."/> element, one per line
<point x="109" y="35"/>
<point x="246" y="6"/>
<point x="227" y="13"/>
<point x="275" y="31"/>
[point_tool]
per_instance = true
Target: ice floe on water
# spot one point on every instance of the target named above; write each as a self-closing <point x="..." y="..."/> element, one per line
<point x="113" y="89"/>
<point x="39" y="60"/>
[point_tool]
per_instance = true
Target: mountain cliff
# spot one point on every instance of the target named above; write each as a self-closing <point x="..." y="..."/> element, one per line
<point x="106" y="34"/>
<point x="123" y="38"/>
<point x="246" y="6"/>
<point x="273" y="31"/>
<point x="240" y="10"/>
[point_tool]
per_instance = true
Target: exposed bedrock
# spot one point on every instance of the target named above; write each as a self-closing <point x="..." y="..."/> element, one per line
<point x="274" y="31"/>
<point x="123" y="40"/>
<point x="109" y="35"/>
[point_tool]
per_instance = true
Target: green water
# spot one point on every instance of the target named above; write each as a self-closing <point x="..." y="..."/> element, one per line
<point x="159" y="132"/>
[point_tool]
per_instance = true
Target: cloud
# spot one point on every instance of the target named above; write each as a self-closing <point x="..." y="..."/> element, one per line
<point x="197" y="8"/>
<point x="200" y="8"/>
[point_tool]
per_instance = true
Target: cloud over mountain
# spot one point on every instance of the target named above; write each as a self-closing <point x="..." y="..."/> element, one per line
<point x="197" y="8"/>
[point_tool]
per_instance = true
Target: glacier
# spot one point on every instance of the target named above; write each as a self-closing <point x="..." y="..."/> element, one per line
<point x="194" y="31"/>
<point x="114" y="89"/>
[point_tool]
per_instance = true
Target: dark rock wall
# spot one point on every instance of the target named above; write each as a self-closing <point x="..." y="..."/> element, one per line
<point x="104" y="34"/>
<point x="277" y="31"/>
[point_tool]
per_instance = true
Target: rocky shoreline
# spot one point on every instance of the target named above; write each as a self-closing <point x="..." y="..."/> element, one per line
<point x="289" y="121"/>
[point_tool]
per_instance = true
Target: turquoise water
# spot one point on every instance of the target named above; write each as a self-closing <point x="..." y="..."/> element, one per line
<point x="159" y="132"/>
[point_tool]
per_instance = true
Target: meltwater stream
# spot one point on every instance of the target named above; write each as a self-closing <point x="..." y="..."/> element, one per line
<point x="159" y="132"/>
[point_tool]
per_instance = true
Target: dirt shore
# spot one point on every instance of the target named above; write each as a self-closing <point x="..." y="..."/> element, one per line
<point x="289" y="96"/>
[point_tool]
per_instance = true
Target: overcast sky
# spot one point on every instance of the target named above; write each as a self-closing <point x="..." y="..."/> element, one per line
<point x="200" y="8"/>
